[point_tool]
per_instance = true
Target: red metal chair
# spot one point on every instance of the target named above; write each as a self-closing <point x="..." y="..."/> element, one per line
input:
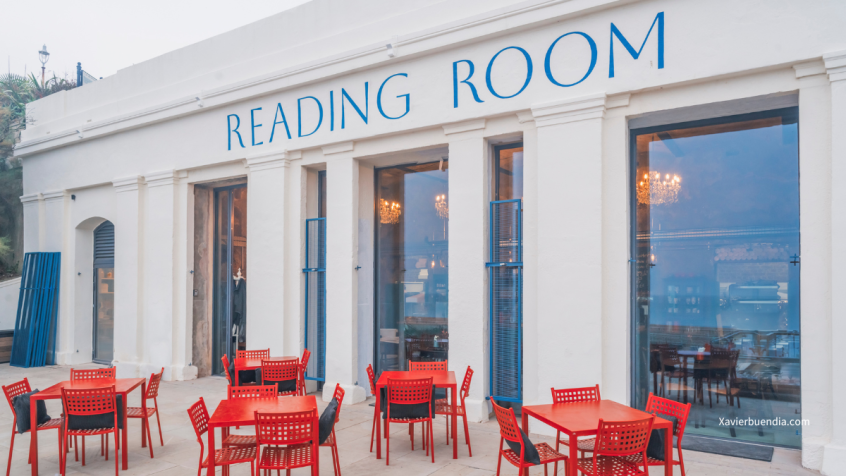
<point x="508" y="430"/>
<point x="144" y="412"/>
<point x="252" y="354"/>
<point x="331" y="441"/>
<point x="664" y="407"/>
<point x="254" y="391"/>
<point x="288" y="438"/>
<point x="12" y="391"/>
<point x="90" y="402"/>
<point x="441" y="365"/>
<point x="83" y="375"/>
<point x="279" y="371"/>
<point x="225" y="456"/>
<point x="616" y="441"/>
<point x="371" y="378"/>
<point x="573" y="395"/>
<point x="443" y="407"/>
<point x="225" y="361"/>
<point x="301" y="387"/>
<point x="410" y="392"/>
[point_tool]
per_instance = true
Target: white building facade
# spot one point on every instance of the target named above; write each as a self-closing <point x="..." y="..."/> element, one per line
<point x="667" y="160"/>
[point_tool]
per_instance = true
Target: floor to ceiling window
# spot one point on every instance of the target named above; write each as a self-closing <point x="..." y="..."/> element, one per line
<point x="716" y="279"/>
<point x="104" y="293"/>
<point x="412" y="263"/>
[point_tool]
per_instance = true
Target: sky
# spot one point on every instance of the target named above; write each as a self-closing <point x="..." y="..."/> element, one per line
<point x="108" y="35"/>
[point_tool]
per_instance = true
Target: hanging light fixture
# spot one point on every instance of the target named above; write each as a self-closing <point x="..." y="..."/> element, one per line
<point x="389" y="212"/>
<point x="441" y="206"/>
<point x="653" y="189"/>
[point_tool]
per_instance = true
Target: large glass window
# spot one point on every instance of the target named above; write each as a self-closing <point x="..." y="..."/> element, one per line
<point x="716" y="279"/>
<point x="412" y="263"/>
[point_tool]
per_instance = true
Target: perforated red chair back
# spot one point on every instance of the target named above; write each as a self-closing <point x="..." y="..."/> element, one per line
<point x="225" y="361"/>
<point x="92" y="374"/>
<point x="622" y="438"/>
<point x="304" y="360"/>
<point x="427" y="365"/>
<point x="253" y="391"/>
<point x="339" y="395"/>
<point x="89" y="401"/>
<point x="13" y="390"/>
<point x="465" y="385"/>
<point x="153" y="384"/>
<point x="301" y="388"/>
<point x="573" y="395"/>
<point x="280" y="370"/>
<point x="199" y="416"/>
<point x="508" y="428"/>
<point x="371" y="377"/>
<point x="285" y="428"/>
<point x="663" y="407"/>
<point x="409" y="392"/>
<point x="253" y="354"/>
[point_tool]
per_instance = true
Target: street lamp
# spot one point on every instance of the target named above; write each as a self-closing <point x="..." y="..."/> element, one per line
<point x="43" y="56"/>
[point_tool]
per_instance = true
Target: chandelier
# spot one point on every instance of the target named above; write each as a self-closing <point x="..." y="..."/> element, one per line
<point x="441" y="206"/>
<point x="389" y="212"/>
<point x="655" y="190"/>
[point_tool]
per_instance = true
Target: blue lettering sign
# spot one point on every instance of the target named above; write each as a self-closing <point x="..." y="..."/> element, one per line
<point x="253" y="126"/>
<point x="300" y="116"/>
<point x="345" y="96"/>
<point x="466" y="81"/>
<point x="231" y="130"/>
<point x="548" y="68"/>
<point x="528" y="72"/>
<point x="379" y="99"/>
<point x="636" y="54"/>
<point x="279" y="112"/>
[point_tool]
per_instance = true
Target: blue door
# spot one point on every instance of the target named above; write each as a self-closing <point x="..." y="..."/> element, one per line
<point x="506" y="300"/>
<point x="315" y="298"/>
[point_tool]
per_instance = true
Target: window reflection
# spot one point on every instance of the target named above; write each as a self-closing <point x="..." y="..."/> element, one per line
<point x="717" y="273"/>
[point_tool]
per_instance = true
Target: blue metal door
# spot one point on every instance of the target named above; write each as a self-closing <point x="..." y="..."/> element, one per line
<point x="506" y="300"/>
<point x="315" y="298"/>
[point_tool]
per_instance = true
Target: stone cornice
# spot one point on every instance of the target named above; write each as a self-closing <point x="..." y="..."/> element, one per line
<point x="271" y="160"/>
<point x="127" y="184"/>
<point x="158" y="179"/>
<point x="835" y="65"/>
<point x="570" y="110"/>
<point x="809" y="68"/>
<point x="524" y="117"/>
<point x="465" y="126"/>
<point x="31" y="198"/>
<point x="54" y="195"/>
<point x="338" y="148"/>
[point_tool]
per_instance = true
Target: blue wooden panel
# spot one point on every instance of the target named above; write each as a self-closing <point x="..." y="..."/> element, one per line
<point x="506" y="300"/>
<point x="38" y="305"/>
<point x="315" y="298"/>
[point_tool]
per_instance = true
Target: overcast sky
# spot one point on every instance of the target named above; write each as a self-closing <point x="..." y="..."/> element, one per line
<point x="108" y="35"/>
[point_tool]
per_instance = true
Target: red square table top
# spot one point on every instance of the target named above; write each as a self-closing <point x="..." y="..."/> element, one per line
<point x="242" y="363"/>
<point x="440" y="378"/>
<point x="241" y="411"/>
<point x="582" y="418"/>
<point x="122" y="386"/>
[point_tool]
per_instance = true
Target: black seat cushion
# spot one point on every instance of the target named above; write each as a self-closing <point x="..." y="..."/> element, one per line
<point x="532" y="456"/>
<point x="21" y="405"/>
<point x="285" y="386"/>
<point x="95" y="422"/>
<point x="327" y="420"/>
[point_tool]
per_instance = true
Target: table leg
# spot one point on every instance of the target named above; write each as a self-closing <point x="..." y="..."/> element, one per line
<point x="668" y="451"/>
<point x="315" y="470"/>
<point x="210" y="470"/>
<point x="454" y="424"/>
<point x="525" y="423"/>
<point x="33" y="442"/>
<point x="124" y="454"/>
<point x="378" y="424"/>
<point x="573" y="458"/>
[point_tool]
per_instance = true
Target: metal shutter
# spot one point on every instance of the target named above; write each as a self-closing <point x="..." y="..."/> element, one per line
<point x="315" y="299"/>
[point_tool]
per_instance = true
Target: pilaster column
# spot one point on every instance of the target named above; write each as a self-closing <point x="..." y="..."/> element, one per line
<point x="834" y="459"/>
<point x="266" y="252"/>
<point x="129" y="241"/>
<point x="32" y="204"/>
<point x="54" y="238"/>
<point x="469" y="198"/>
<point x="342" y="199"/>
<point x="569" y="319"/>
<point x="159" y="305"/>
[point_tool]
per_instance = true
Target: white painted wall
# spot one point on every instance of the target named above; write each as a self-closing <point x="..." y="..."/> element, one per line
<point x="130" y="148"/>
<point x="9" y="293"/>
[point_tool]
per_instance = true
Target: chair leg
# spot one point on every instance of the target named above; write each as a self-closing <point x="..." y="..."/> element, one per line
<point x="557" y="444"/>
<point x="76" y="447"/>
<point x="411" y="431"/>
<point x="498" y="461"/>
<point x="83" y="451"/>
<point x="11" y="447"/>
<point x="116" y="452"/>
<point x="146" y="423"/>
<point x="545" y="472"/>
<point x="372" y="430"/>
<point x="432" y="440"/>
<point x="447" y="428"/>
<point x="467" y="435"/>
<point x="107" y="448"/>
<point x="681" y="461"/>
<point x="158" y="422"/>
<point x="102" y="445"/>
<point x="387" y="443"/>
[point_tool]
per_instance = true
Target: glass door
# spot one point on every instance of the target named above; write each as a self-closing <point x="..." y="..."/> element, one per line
<point x="104" y="293"/>
<point x="716" y="273"/>
<point x="412" y="263"/>
<point x="230" y="274"/>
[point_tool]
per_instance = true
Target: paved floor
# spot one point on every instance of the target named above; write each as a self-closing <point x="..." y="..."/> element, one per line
<point x="180" y="453"/>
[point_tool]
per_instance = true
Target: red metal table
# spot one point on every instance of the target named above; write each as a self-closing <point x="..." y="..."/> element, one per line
<point x="440" y="379"/>
<point x="123" y="386"/>
<point x="242" y="363"/>
<point x="241" y="412"/>
<point x="582" y="419"/>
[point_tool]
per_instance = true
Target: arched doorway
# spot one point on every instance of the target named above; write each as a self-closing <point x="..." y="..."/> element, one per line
<point x="104" y="293"/>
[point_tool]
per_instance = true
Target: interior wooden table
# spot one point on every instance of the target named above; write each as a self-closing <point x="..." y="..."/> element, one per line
<point x="123" y="386"/>
<point x="241" y="412"/>
<point x="242" y="363"/>
<point x="582" y="419"/>
<point x="440" y="379"/>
